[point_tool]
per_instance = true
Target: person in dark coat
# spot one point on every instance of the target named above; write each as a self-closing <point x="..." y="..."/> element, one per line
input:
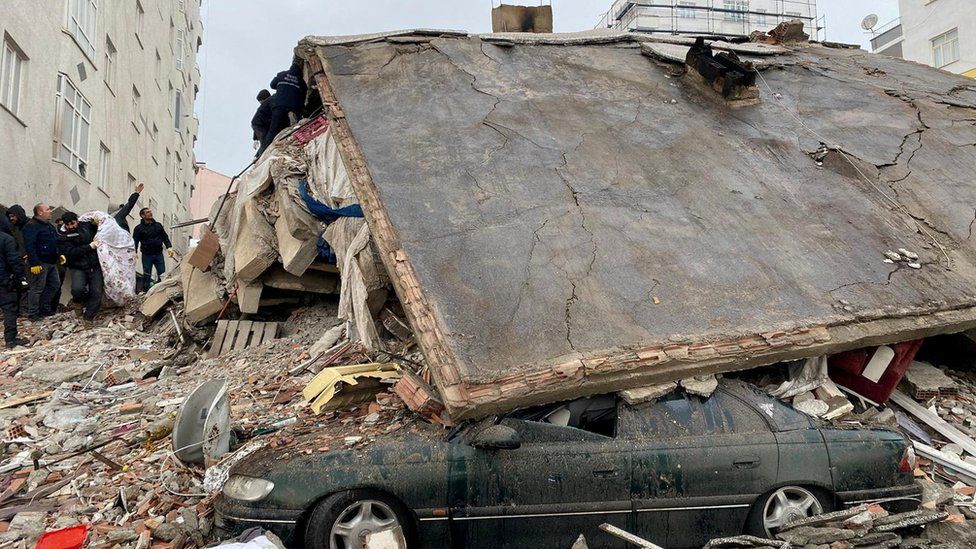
<point x="289" y="99"/>
<point x="18" y="218"/>
<point x="12" y="283"/>
<point x="261" y="122"/>
<point x="76" y="242"/>
<point x="151" y="236"/>
<point x="41" y="243"/>
<point x="122" y="214"/>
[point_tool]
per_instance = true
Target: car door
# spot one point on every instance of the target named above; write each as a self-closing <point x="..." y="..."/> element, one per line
<point x="562" y="482"/>
<point x="698" y="465"/>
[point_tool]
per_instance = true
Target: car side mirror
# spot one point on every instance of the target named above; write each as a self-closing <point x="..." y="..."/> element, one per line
<point x="497" y="437"/>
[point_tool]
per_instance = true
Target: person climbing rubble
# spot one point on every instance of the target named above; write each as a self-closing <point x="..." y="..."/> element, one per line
<point x="76" y="242"/>
<point x="12" y="283"/>
<point x="261" y="122"/>
<point x="116" y="255"/>
<point x="287" y="102"/>
<point x="151" y="236"/>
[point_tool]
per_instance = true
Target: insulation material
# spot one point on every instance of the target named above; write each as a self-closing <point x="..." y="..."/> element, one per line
<point x="354" y="293"/>
<point x="327" y="174"/>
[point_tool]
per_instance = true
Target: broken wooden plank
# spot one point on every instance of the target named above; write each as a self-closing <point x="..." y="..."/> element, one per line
<point x="270" y="332"/>
<point x="934" y="421"/>
<point x="218" y="339"/>
<point x="243" y="333"/>
<point x="628" y="537"/>
<point x="18" y="401"/>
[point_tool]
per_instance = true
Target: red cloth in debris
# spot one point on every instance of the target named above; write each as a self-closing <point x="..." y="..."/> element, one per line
<point x="845" y="370"/>
<point x="66" y="538"/>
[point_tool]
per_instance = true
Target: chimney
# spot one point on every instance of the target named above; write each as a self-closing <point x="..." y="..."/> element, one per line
<point x="510" y="18"/>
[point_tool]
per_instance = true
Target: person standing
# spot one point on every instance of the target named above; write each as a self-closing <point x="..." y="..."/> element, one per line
<point x="121" y="215"/>
<point x="41" y="244"/>
<point x="77" y="244"/>
<point x="11" y="285"/>
<point x="151" y="236"/>
<point x="287" y="102"/>
<point x="261" y="122"/>
<point x="18" y="218"/>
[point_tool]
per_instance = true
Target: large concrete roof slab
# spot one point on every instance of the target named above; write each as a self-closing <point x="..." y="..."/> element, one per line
<point x="565" y="219"/>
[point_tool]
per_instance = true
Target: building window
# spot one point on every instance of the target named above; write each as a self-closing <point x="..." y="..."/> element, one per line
<point x="168" y="168"/>
<point x="11" y="75"/>
<point x="81" y="24"/>
<point x="794" y="14"/>
<point x="177" y="170"/>
<point x="75" y="120"/>
<point x="945" y="48"/>
<point x="110" y="63"/>
<point x="686" y="9"/>
<point x="182" y="5"/>
<point x="140" y="22"/>
<point x="736" y="10"/>
<point x="179" y="47"/>
<point x="178" y="110"/>
<point x="159" y="70"/>
<point x="155" y="144"/>
<point x="104" y="167"/>
<point x="761" y="18"/>
<point x="136" y="107"/>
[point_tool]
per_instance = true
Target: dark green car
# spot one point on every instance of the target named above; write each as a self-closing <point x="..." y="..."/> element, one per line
<point x="677" y="472"/>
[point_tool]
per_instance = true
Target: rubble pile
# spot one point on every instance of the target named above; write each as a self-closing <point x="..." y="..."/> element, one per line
<point x="90" y="412"/>
<point x="858" y="527"/>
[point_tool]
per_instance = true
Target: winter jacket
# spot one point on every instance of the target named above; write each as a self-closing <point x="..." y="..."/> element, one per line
<point x="22" y="218"/>
<point x="123" y="213"/>
<point x="11" y="265"/>
<point x="152" y="236"/>
<point x="261" y="122"/>
<point x="290" y="89"/>
<point x="76" y="248"/>
<point x="41" y="242"/>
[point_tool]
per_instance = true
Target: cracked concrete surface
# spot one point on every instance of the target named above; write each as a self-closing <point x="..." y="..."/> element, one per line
<point x="557" y="205"/>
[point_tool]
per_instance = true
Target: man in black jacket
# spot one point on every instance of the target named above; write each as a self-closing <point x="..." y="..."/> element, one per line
<point x="121" y="215"/>
<point x="151" y="236"/>
<point x="18" y="218"/>
<point x="77" y="244"/>
<point x="41" y="243"/>
<point x="11" y="285"/>
<point x="289" y="99"/>
<point x="261" y="122"/>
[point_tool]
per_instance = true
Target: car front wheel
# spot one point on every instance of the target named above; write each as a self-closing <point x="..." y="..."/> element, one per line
<point x="351" y="519"/>
<point x="783" y="506"/>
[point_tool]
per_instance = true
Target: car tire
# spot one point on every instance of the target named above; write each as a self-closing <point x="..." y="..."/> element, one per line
<point x="793" y="500"/>
<point x="339" y="521"/>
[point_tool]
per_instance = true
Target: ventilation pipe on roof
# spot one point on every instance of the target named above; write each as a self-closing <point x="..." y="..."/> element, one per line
<point x="724" y="73"/>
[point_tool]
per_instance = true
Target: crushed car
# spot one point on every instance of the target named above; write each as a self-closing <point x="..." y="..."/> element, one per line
<point x="677" y="471"/>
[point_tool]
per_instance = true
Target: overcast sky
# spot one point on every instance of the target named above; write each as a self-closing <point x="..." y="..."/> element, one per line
<point x="246" y="42"/>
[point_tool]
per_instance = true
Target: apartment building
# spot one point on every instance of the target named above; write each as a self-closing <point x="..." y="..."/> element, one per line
<point x="712" y="17"/>
<point x="95" y="96"/>
<point x="940" y="33"/>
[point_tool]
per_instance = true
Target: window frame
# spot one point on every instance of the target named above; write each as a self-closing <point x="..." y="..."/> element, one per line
<point x="11" y="88"/>
<point x="942" y="44"/>
<point x="74" y="155"/>
<point x="110" y="63"/>
<point x="83" y="32"/>
<point x="686" y="9"/>
<point x="738" y="12"/>
<point x="104" y="168"/>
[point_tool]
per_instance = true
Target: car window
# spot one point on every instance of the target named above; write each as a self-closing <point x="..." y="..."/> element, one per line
<point x="596" y="415"/>
<point x="783" y="416"/>
<point x="541" y="432"/>
<point x="674" y="415"/>
<point x="725" y="414"/>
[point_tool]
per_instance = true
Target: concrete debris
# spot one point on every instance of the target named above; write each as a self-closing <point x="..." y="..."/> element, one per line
<point x="925" y="381"/>
<point x="650" y="393"/>
<point x="700" y="385"/>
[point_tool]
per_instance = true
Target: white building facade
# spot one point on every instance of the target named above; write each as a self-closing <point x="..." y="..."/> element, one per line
<point x="711" y="17"/>
<point x="940" y="33"/>
<point x="95" y="96"/>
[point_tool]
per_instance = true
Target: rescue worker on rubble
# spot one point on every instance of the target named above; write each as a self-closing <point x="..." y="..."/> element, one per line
<point x="76" y="242"/>
<point x="261" y="122"/>
<point x="151" y="236"/>
<point x="287" y="104"/>
<point x="41" y="243"/>
<point x="18" y="218"/>
<point x="121" y="215"/>
<point x="12" y="284"/>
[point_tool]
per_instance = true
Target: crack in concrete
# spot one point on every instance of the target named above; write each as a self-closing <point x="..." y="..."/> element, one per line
<point x="971" y="225"/>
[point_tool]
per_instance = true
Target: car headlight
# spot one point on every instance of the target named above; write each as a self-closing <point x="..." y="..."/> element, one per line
<point x="247" y="488"/>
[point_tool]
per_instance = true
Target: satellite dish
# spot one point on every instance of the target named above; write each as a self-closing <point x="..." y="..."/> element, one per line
<point x="869" y="22"/>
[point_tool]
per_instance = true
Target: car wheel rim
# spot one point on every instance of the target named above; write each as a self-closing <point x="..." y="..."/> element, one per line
<point x="358" y="521"/>
<point x="787" y="505"/>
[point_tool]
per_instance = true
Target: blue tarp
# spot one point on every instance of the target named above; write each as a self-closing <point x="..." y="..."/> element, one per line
<point x="327" y="215"/>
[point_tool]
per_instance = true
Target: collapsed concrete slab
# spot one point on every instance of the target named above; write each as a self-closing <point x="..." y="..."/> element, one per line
<point x="255" y="251"/>
<point x="201" y="293"/>
<point x="567" y="217"/>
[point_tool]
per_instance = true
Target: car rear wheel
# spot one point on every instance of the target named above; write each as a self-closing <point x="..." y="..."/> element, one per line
<point x="348" y="520"/>
<point x="782" y="506"/>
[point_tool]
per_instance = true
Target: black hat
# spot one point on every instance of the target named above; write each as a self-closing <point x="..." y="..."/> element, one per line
<point x="263" y="94"/>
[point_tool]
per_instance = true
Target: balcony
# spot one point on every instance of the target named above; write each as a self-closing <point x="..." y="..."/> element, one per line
<point x="885" y="37"/>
